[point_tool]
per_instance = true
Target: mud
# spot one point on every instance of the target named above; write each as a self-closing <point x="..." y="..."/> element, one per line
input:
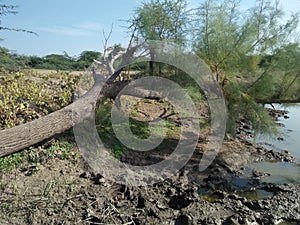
<point x="68" y="192"/>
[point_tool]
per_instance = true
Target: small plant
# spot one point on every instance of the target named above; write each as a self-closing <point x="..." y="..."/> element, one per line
<point x="62" y="150"/>
<point x="10" y="162"/>
<point x="36" y="166"/>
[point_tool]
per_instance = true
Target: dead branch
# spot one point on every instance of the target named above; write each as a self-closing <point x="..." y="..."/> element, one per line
<point x="23" y="136"/>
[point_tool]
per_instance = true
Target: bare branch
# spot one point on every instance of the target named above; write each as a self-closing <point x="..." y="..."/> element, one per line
<point x="106" y="38"/>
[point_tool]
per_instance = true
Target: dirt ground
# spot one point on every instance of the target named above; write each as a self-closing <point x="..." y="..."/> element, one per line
<point x="65" y="191"/>
<point x="52" y="184"/>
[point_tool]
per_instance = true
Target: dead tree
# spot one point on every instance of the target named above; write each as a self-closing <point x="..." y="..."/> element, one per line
<point x="23" y="136"/>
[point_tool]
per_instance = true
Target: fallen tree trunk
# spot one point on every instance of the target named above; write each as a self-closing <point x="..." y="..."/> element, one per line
<point x="23" y="136"/>
<point x="28" y="134"/>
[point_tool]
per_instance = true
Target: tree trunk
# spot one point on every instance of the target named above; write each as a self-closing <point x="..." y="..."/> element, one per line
<point x="28" y="134"/>
<point x="151" y="63"/>
<point x="23" y="136"/>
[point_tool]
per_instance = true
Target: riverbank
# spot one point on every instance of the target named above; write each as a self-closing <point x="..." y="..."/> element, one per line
<point x="51" y="184"/>
<point x="63" y="192"/>
<point x="60" y="189"/>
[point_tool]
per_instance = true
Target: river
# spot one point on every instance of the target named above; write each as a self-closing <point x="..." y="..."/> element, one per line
<point x="283" y="172"/>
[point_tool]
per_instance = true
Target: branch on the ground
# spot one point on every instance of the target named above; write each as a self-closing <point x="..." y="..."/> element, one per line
<point x="23" y="136"/>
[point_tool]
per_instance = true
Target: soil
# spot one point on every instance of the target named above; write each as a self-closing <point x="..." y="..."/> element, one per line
<point x="66" y="191"/>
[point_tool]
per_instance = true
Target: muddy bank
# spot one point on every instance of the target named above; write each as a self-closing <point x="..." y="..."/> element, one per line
<point x="58" y="190"/>
<point x="176" y="201"/>
<point x="218" y="195"/>
<point x="64" y="192"/>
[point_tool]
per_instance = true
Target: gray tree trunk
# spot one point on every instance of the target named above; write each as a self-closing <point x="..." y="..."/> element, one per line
<point x="23" y="136"/>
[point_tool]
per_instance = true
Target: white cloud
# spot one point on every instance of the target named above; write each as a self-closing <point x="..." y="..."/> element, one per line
<point x="65" y="31"/>
<point x="93" y="26"/>
<point x="80" y="29"/>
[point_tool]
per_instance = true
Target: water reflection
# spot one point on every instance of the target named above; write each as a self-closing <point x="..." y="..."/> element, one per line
<point x="282" y="172"/>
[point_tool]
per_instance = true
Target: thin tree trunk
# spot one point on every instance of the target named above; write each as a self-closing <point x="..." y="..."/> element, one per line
<point x="151" y="63"/>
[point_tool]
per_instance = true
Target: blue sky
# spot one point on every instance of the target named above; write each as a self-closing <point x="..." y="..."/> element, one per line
<point x="75" y="25"/>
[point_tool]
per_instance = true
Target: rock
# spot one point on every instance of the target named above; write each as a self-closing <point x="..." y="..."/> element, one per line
<point x="258" y="175"/>
<point x="182" y="220"/>
<point x="286" y="152"/>
<point x="84" y="175"/>
<point x="179" y="202"/>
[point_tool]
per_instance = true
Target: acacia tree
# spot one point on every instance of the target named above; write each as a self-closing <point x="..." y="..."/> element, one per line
<point x="284" y="70"/>
<point x="161" y="20"/>
<point x="231" y="41"/>
<point x="6" y="9"/>
<point x="226" y="35"/>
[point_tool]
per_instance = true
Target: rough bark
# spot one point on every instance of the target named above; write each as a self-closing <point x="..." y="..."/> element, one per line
<point x="28" y="134"/>
<point x="23" y="136"/>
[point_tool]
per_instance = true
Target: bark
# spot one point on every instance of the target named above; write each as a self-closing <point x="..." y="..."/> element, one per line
<point x="28" y="134"/>
<point x="23" y="136"/>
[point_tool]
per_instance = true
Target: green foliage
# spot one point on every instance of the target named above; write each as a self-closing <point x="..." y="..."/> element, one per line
<point x="85" y="59"/>
<point x="105" y="129"/>
<point x="227" y="36"/>
<point x="62" y="150"/>
<point x="249" y="63"/>
<point x="279" y="80"/>
<point x="56" y="62"/>
<point x="237" y="46"/>
<point x="14" y="62"/>
<point x="33" y="158"/>
<point x="161" y="20"/>
<point x="259" y="118"/>
<point x="187" y="83"/>
<point x="244" y="106"/>
<point x="64" y="62"/>
<point x="285" y="61"/>
<point x="10" y="61"/>
<point x="7" y="9"/>
<point x="10" y="162"/>
<point x="139" y="128"/>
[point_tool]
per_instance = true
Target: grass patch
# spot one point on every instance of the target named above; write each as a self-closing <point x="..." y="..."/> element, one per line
<point x="10" y="162"/>
<point x="139" y="128"/>
<point x="33" y="158"/>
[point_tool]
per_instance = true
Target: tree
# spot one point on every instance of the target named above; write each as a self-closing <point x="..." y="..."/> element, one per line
<point x="161" y="20"/>
<point x="6" y="9"/>
<point x="35" y="61"/>
<point x="231" y="41"/>
<point x="227" y="36"/>
<point x="86" y="58"/>
<point x="11" y="61"/>
<point x="285" y="71"/>
<point x="57" y="62"/>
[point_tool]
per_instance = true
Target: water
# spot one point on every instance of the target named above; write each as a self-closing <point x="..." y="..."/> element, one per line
<point x="280" y="172"/>
<point x="283" y="172"/>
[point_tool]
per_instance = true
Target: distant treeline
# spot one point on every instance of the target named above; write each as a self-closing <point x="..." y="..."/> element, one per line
<point x="13" y="62"/>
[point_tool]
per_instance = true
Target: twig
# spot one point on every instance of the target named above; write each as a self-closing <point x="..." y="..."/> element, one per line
<point x="69" y="199"/>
